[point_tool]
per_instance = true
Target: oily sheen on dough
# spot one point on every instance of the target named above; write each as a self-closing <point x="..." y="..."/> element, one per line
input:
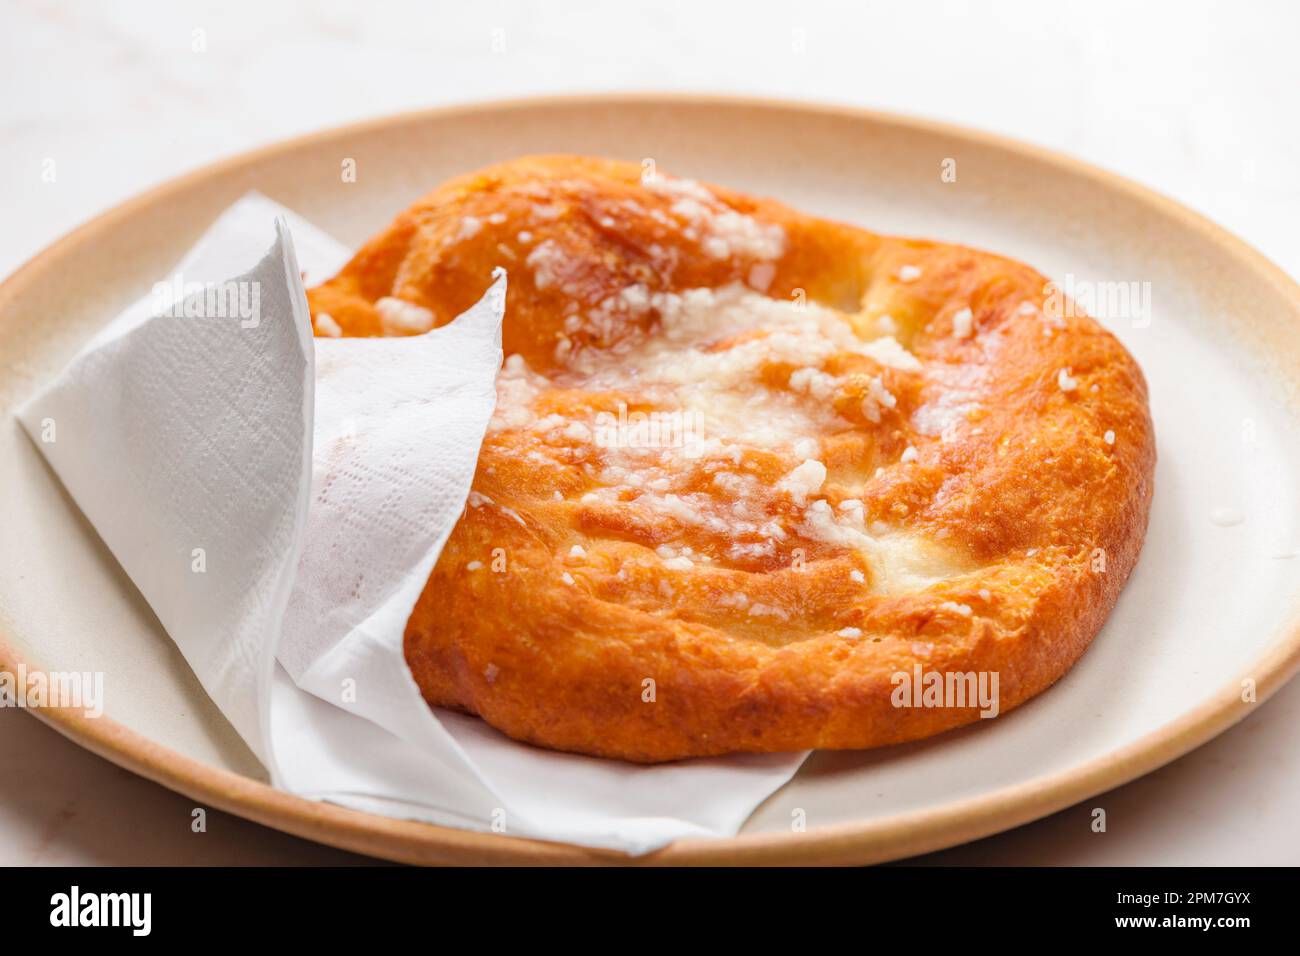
<point x="748" y="466"/>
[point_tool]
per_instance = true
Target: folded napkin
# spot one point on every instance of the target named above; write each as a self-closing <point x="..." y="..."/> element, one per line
<point x="280" y="502"/>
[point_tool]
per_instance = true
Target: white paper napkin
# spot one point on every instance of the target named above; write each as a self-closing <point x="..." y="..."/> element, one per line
<point x="280" y="498"/>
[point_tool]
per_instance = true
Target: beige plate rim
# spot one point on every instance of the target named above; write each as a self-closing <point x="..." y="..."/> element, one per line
<point x="865" y="842"/>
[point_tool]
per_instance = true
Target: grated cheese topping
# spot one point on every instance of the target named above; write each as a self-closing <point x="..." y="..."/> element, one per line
<point x="740" y="374"/>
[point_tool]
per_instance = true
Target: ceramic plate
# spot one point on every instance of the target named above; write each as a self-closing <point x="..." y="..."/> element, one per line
<point x="1210" y="619"/>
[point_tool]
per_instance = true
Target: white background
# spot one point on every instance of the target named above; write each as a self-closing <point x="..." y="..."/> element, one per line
<point x="1198" y="100"/>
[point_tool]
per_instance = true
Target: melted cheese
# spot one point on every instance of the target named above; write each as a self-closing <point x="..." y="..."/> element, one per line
<point x="900" y="561"/>
<point x="711" y="349"/>
<point x="710" y="357"/>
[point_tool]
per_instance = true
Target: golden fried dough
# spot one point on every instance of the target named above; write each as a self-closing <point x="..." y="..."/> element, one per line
<point x="748" y="466"/>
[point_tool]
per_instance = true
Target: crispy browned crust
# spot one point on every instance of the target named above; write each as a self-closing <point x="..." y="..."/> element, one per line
<point x="1027" y="491"/>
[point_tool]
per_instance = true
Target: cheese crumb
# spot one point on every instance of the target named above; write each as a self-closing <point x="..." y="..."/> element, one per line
<point x="403" y="318"/>
<point x="849" y="632"/>
<point x="1109" y="437"/>
<point x="1065" y="382"/>
<point x="909" y="454"/>
<point x="962" y="609"/>
<point x="909" y="273"/>
<point x="804" y="480"/>
<point x="760" y="276"/>
<point x="326" y="325"/>
<point x="546" y="260"/>
<point x="963" y="324"/>
<point x="736" y="599"/>
<point x="887" y="351"/>
<point x="877" y="397"/>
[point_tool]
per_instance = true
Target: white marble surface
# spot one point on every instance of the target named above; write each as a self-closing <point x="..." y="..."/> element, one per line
<point x="1199" y="100"/>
